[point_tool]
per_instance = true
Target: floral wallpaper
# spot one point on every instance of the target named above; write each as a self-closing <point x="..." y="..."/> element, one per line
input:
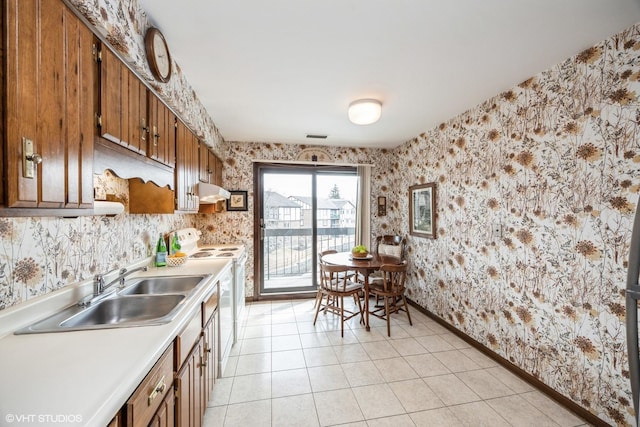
<point x="554" y="162"/>
<point x="41" y="255"/>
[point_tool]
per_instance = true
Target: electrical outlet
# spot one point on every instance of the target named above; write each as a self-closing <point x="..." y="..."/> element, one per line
<point x="496" y="230"/>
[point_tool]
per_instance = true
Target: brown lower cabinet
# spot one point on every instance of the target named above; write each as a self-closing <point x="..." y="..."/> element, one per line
<point x="189" y="388"/>
<point x="176" y="390"/>
<point x="149" y="398"/>
<point x="211" y="358"/>
<point x="164" y="416"/>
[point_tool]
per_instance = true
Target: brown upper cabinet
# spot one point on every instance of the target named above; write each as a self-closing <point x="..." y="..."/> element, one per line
<point x="123" y="104"/>
<point x="218" y="171"/>
<point x="49" y="86"/>
<point x="162" y="137"/>
<point x="132" y="116"/>
<point x="210" y="166"/>
<point x="187" y="169"/>
<point x="73" y="107"/>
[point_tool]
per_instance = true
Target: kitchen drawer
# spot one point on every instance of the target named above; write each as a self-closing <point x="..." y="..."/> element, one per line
<point x="187" y="338"/>
<point x="143" y="403"/>
<point x="210" y="305"/>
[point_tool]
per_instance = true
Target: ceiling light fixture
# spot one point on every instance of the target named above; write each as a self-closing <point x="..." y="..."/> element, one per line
<point x="365" y="111"/>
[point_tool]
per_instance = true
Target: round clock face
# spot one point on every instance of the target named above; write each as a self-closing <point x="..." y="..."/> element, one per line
<point x="162" y="55"/>
<point x="158" y="54"/>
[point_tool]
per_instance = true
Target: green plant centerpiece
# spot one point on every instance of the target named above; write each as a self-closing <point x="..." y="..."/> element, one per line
<point x="359" y="251"/>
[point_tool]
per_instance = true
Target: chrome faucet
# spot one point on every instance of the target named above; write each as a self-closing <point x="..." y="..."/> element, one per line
<point x="99" y="286"/>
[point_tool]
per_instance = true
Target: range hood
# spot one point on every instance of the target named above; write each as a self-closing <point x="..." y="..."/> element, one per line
<point x="209" y="193"/>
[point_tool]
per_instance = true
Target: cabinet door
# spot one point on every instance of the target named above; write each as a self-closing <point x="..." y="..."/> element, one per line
<point x="123" y="104"/>
<point x="187" y="169"/>
<point x="81" y="75"/>
<point x="50" y="77"/>
<point x="210" y="360"/>
<point x="218" y="171"/>
<point x="112" y="90"/>
<point x="162" y="132"/>
<point x="181" y="166"/>
<point x="212" y="169"/>
<point x="194" y="172"/>
<point x="135" y="122"/>
<point x="210" y="166"/>
<point x="183" y="381"/>
<point x="188" y="388"/>
<point x="199" y="384"/>
<point x="204" y="169"/>
<point x="165" y="415"/>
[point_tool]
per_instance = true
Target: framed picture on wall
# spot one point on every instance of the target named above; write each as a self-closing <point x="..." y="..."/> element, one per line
<point x="237" y="201"/>
<point x="422" y="210"/>
<point x="382" y="205"/>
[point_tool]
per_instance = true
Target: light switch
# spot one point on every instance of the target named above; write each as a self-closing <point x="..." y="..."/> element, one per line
<point x="496" y="230"/>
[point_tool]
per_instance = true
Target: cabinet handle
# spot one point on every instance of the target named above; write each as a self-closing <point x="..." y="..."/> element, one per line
<point x="35" y="158"/>
<point x="207" y="347"/>
<point x="159" y="388"/>
<point x="30" y="159"/>
<point x="156" y="136"/>
<point x="204" y="362"/>
<point x="145" y="129"/>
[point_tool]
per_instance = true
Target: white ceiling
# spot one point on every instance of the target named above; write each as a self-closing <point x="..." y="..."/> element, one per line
<point x="275" y="71"/>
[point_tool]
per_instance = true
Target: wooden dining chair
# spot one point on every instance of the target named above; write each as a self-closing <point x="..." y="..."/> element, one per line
<point x="391" y="289"/>
<point x="391" y="245"/>
<point x="320" y="255"/>
<point x="335" y="285"/>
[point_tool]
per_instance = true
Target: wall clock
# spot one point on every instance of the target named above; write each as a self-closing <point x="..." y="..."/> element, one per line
<point x="158" y="54"/>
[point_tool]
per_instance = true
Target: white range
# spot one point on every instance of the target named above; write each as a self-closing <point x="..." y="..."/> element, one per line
<point x="232" y="295"/>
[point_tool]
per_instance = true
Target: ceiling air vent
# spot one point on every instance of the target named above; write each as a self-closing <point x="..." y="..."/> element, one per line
<point x="317" y="136"/>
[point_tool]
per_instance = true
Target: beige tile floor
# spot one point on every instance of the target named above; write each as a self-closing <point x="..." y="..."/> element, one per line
<point x="284" y="371"/>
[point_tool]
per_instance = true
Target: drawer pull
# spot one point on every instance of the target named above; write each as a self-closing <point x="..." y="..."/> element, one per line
<point x="159" y="388"/>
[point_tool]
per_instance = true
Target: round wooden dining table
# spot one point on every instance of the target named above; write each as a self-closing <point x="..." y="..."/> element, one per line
<point x="364" y="266"/>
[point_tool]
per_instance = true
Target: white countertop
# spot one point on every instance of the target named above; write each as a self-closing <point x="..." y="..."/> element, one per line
<point x="83" y="377"/>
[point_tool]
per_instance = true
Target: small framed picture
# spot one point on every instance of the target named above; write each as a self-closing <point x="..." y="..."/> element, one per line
<point x="422" y="210"/>
<point x="237" y="201"/>
<point x="382" y="205"/>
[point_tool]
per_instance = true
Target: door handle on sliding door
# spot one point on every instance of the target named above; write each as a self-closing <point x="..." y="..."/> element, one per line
<point x="261" y="229"/>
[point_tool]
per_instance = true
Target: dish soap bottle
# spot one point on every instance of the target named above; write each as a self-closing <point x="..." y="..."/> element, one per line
<point x="175" y="244"/>
<point x="161" y="252"/>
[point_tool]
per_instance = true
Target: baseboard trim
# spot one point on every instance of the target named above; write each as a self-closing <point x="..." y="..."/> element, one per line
<point x="550" y="392"/>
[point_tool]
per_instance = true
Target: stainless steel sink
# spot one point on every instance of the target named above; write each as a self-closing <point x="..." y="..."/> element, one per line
<point x="163" y="285"/>
<point x="138" y="310"/>
<point x="144" y="301"/>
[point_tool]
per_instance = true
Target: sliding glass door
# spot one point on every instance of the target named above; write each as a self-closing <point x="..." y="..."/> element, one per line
<point x="301" y="210"/>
